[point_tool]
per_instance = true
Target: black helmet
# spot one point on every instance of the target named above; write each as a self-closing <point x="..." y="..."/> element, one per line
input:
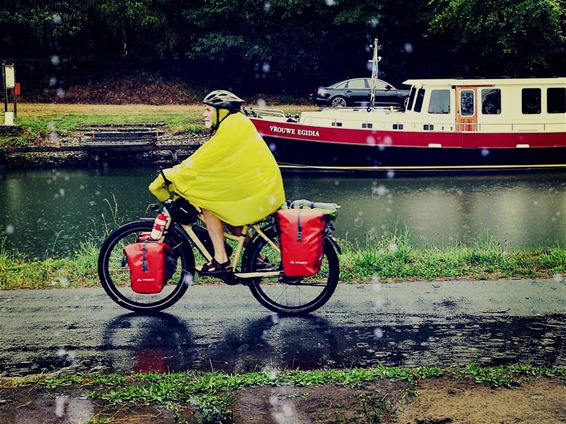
<point x="222" y="99"/>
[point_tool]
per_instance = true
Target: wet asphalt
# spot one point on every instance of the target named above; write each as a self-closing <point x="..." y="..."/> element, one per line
<point x="443" y="323"/>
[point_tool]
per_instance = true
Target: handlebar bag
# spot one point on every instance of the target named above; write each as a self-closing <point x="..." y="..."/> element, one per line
<point x="147" y="262"/>
<point x="302" y="238"/>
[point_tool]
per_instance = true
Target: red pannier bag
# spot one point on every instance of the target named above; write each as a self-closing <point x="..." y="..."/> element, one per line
<point x="147" y="262"/>
<point x="302" y="238"/>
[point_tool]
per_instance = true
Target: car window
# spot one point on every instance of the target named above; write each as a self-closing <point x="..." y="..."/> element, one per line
<point x="341" y="84"/>
<point x="380" y="84"/>
<point x="358" y="83"/>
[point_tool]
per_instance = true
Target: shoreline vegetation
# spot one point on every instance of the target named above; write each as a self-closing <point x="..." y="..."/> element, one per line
<point x="380" y="393"/>
<point x="387" y="260"/>
<point x="51" y="124"/>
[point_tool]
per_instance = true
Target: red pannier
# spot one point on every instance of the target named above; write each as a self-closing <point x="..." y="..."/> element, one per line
<point x="302" y="240"/>
<point x="147" y="262"/>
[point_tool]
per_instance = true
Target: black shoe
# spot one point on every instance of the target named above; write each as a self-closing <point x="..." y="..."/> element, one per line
<point x="216" y="269"/>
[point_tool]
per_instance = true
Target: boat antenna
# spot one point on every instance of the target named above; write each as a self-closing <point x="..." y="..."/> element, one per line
<point x="374" y="72"/>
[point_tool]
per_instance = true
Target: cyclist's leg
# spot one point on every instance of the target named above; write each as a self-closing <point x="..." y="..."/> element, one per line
<point x="215" y="229"/>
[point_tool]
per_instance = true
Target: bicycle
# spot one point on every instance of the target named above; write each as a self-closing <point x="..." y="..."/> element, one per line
<point x="256" y="263"/>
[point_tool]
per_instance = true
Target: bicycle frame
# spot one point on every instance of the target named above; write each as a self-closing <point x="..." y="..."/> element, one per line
<point x="239" y="248"/>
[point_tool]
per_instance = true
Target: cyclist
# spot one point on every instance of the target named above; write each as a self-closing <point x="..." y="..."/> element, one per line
<point x="232" y="178"/>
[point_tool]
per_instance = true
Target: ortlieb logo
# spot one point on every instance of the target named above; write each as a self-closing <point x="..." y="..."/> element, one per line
<point x="139" y="280"/>
<point x="298" y="262"/>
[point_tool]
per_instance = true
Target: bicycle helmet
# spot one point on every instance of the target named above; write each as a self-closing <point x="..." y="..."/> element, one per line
<point x="222" y="99"/>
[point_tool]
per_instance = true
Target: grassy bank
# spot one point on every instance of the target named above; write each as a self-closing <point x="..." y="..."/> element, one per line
<point x="209" y="396"/>
<point x="386" y="260"/>
<point x="51" y="123"/>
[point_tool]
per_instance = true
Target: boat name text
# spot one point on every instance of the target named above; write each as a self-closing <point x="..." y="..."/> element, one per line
<point x="294" y="131"/>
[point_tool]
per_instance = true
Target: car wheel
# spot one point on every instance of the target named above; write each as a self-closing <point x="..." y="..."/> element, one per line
<point x="338" y="101"/>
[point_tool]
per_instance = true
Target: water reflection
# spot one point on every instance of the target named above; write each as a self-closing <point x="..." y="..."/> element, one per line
<point x="164" y="343"/>
<point x="50" y="212"/>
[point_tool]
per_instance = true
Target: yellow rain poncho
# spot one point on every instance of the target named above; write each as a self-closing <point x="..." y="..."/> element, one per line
<point x="233" y="175"/>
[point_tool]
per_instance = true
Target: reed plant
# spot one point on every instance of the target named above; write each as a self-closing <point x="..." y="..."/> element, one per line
<point x="388" y="259"/>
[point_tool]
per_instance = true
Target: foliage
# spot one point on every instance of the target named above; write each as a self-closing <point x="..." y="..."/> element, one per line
<point x="279" y="45"/>
<point x="510" y="36"/>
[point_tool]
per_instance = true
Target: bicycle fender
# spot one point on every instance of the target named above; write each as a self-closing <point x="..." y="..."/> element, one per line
<point x="334" y="243"/>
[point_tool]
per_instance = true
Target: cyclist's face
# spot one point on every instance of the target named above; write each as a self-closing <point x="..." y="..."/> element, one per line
<point x="207" y="115"/>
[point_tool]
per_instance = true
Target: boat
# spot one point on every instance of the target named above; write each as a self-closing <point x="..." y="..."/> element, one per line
<point x="447" y="125"/>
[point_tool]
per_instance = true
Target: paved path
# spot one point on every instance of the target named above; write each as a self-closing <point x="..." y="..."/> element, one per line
<point x="221" y="327"/>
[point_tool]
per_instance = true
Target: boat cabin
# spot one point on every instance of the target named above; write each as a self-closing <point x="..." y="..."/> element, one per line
<point x="496" y="105"/>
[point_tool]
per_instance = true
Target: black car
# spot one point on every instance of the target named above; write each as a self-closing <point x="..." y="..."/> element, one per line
<point x="356" y="92"/>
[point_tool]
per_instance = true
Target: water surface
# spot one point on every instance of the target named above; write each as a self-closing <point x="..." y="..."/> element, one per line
<point x="49" y="212"/>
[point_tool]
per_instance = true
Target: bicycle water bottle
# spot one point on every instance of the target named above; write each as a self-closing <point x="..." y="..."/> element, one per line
<point x="159" y="226"/>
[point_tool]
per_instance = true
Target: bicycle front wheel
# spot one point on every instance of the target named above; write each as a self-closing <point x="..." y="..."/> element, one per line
<point x="290" y="295"/>
<point x="115" y="275"/>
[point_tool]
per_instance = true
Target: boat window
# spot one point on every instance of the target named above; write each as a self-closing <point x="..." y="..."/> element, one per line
<point x="467" y="103"/>
<point x="530" y="100"/>
<point x="556" y="100"/>
<point x="439" y="101"/>
<point x="419" y="101"/>
<point x="491" y="101"/>
<point x="357" y="84"/>
<point x="411" y="97"/>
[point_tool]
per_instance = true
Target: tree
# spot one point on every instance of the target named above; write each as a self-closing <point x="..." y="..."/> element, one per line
<point x="521" y="37"/>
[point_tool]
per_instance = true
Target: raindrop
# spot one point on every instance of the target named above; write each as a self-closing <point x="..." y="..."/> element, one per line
<point x="373" y="22"/>
<point x="261" y="103"/>
<point x="275" y="318"/>
<point x="188" y="279"/>
<point x="558" y="277"/>
<point x="52" y="82"/>
<point x="60" y="93"/>
<point x="60" y="406"/>
<point x="378" y="303"/>
<point x="393" y="247"/>
<point x="390" y="174"/>
<point x="272" y="147"/>
<point x="387" y="140"/>
<point x="55" y="60"/>
<point x="266" y="67"/>
<point x="267" y="6"/>
<point x="53" y="137"/>
<point x="330" y="2"/>
<point x="378" y="333"/>
<point x="378" y="191"/>
<point x="97" y="193"/>
<point x="358" y="222"/>
<point x="92" y="203"/>
<point x="370" y="140"/>
<point x="408" y="47"/>
<point x="484" y="152"/>
<point x="63" y="282"/>
<point x="56" y="19"/>
<point x="9" y="229"/>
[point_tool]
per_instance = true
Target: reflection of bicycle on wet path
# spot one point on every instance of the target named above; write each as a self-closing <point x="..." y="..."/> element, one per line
<point x="256" y="262"/>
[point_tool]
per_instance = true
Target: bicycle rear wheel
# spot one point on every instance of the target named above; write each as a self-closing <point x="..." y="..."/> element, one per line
<point x="290" y="295"/>
<point x="114" y="273"/>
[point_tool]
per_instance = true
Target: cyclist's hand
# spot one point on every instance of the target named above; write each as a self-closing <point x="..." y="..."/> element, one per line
<point x="181" y="211"/>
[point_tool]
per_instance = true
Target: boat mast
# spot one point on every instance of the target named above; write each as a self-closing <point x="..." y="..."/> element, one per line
<point x="374" y="71"/>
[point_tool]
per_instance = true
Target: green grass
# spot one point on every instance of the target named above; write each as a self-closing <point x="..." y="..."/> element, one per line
<point x="387" y="260"/>
<point x="52" y="123"/>
<point x="211" y="392"/>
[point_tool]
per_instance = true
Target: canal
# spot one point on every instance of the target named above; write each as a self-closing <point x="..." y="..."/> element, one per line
<point x="49" y="212"/>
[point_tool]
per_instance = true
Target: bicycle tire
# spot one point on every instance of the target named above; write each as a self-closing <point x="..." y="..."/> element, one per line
<point x="291" y="295"/>
<point x="114" y="273"/>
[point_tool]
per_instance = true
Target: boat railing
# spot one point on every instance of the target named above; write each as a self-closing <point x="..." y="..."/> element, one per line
<point x="261" y="112"/>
